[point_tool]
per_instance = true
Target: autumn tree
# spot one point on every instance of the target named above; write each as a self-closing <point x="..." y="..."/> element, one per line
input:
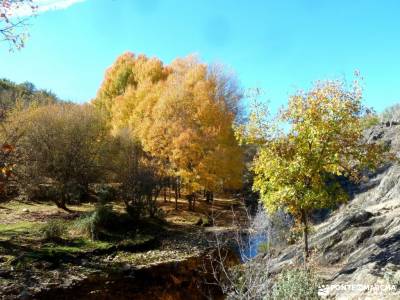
<point x="15" y="97"/>
<point x="297" y="167"/>
<point x="64" y="145"/>
<point x="127" y="86"/>
<point x="192" y="128"/>
<point x="139" y="177"/>
<point x="127" y="95"/>
<point x="13" y="27"/>
<point x="181" y="114"/>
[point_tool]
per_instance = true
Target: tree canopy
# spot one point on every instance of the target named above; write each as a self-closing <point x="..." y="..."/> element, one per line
<point x="298" y="167"/>
<point x="182" y="114"/>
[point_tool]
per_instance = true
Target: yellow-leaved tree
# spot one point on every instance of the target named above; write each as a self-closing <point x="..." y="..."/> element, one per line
<point x="182" y="115"/>
<point x="194" y="119"/>
<point x="297" y="168"/>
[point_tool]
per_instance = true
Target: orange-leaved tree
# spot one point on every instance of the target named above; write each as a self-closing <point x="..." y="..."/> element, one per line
<point x="182" y="114"/>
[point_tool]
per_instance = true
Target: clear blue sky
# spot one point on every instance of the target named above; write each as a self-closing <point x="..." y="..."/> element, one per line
<point x="278" y="45"/>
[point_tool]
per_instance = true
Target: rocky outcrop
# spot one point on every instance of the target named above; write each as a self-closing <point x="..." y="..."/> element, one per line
<point x="357" y="249"/>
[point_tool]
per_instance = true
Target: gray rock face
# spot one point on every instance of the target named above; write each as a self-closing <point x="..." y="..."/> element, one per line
<point x="359" y="244"/>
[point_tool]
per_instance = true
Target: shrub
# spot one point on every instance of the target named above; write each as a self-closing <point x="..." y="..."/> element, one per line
<point x="393" y="278"/>
<point x="263" y="248"/>
<point x="66" y="145"/>
<point x="370" y="121"/>
<point x="106" y="194"/>
<point x="41" y="191"/>
<point x="53" y="229"/>
<point x="247" y="281"/>
<point x="92" y="224"/>
<point x="296" y="284"/>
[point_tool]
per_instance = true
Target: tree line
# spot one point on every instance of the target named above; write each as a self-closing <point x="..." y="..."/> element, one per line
<point x="156" y="129"/>
<point x="151" y="129"/>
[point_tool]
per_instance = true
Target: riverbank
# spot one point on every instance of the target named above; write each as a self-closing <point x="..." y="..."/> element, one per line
<point x="167" y="258"/>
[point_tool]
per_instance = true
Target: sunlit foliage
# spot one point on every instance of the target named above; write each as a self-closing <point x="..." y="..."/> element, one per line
<point x="181" y="114"/>
<point x="64" y="145"/>
<point x="321" y="140"/>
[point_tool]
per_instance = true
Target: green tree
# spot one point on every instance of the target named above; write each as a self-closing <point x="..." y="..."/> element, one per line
<point x="298" y="166"/>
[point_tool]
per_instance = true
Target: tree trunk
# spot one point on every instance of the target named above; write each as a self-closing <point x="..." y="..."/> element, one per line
<point x="305" y="234"/>
<point x="165" y="193"/>
<point x="191" y="201"/>
<point x="178" y="184"/>
<point x="61" y="203"/>
<point x="176" y="196"/>
<point x="209" y="197"/>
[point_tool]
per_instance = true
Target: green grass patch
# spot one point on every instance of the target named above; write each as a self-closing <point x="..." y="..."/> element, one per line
<point x="23" y="226"/>
<point x="76" y="246"/>
<point x="21" y="230"/>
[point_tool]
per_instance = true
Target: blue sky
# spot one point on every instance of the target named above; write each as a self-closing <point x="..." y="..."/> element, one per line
<point x="279" y="46"/>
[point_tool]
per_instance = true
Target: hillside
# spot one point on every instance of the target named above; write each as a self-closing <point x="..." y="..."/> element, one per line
<point x="359" y="244"/>
<point x="24" y="94"/>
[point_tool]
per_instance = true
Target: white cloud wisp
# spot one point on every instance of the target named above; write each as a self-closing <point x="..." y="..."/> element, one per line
<point x="42" y="6"/>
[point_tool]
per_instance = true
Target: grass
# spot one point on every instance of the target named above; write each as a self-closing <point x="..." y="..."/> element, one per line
<point x="23" y="244"/>
<point x="26" y="253"/>
<point x="21" y="240"/>
<point x="79" y="245"/>
<point x="20" y="227"/>
<point x="22" y="231"/>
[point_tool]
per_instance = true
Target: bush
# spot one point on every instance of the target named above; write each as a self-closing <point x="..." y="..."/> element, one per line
<point x="94" y="223"/>
<point x="53" y="229"/>
<point x="67" y="145"/>
<point x="106" y="194"/>
<point x="296" y="284"/>
<point x="247" y="281"/>
<point x="263" y="248"/>
<point x="74" y="192"/>
<point x="370" y="121"/>
<point x="393" y="278"/>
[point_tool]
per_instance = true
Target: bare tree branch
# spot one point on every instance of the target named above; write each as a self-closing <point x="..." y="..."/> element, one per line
<point x="13" y="29"/>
